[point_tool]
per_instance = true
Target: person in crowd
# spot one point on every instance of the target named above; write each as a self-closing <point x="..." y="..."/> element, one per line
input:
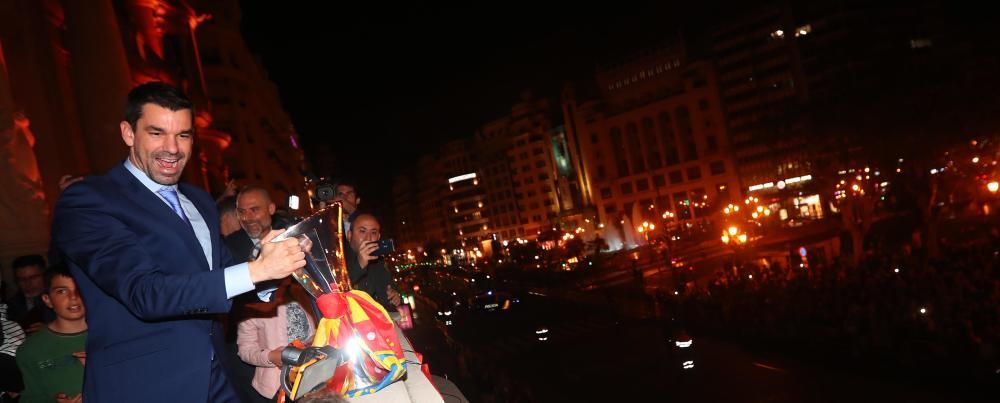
<point x="346" y="193"/>
<point x="51" y="361"/>
<point x="26" y="307"/>
<point x="147" y="256"/>
<point x="11" y="337"/>
<point x="257" y="215"/>
<point x="269" y="329"/>
<point x="229" y="221"/>
<point x="368" y="273"/>
<point x="255" y="212"/>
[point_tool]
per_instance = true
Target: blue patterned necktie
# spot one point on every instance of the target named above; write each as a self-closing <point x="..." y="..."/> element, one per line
<point x="170" y="195"/>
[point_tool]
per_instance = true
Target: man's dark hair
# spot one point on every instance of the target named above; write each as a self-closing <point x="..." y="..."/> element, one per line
<point x="157" y="93"/>
<point x="226" y="205"/>
<point x="28" y="260"/>
<point x="345" y="182"/>
<point x="53" y="272"/>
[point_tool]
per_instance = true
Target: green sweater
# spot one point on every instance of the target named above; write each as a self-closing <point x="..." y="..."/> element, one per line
<point x="48" y="366"/>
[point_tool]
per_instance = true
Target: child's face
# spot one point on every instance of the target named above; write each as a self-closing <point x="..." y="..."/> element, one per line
<point x="64" y="299"/>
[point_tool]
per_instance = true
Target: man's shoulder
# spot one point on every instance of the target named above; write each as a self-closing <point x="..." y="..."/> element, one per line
<point x="93" y="189"/>
<point x="190" y="191"/>
<point x="237" y="238"/>
<point x="239" y="244"/>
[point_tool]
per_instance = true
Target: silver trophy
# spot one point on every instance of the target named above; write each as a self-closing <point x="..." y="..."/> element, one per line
<point x="321" y="235"/>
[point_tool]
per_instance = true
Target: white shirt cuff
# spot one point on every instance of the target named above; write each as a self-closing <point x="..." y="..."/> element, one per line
<point x="238" y="280"/>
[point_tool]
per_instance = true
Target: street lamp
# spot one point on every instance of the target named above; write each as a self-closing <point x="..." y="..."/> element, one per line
<point x="733" y="236"/>
<point x="993" y="186"/>
<point x="645" y="228"/>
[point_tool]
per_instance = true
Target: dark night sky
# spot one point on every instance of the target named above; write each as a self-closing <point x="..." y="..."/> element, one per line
<point x="394" y="85"/>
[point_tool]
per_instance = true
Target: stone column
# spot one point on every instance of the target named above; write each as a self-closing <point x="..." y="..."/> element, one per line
<point x="101" y="78"/>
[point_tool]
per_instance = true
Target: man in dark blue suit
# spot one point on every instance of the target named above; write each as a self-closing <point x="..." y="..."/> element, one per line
<point x="150" y="264"/>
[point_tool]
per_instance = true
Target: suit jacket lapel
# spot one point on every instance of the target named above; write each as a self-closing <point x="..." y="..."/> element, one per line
<point x="158" y="210"/>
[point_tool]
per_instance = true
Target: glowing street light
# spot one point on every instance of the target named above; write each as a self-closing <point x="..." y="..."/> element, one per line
<point x="732" y="235"/>
<point x="993" y="186"/>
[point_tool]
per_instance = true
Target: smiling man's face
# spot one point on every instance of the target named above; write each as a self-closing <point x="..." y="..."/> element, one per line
<point x="160" y="143"/>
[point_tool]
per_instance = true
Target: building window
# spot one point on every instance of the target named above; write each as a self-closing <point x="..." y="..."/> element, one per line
<point x="686" y="133"/>
<point x="548" y="202"/>
<point x="533" y="206"/>
<point x="601" y="173"/>
<point x="593" y="138"/>
<point x="634" y="148"/>
<point x="663" y="204"/>
<point x="676" y="177"/>
<point x="537" y="151"/>
<point x="536" y="218"/>
<point x="642" y="185"/>
<point x="626" y="188"/>
<point x="659" y="181"/>
<point x="609" y="209"/>
<point x="605" y="193"/>
<point x="723" y="191"/>
<point x="712" y="143"/>
<point x="652" y="148"/>
<point x="694" y="173"/>
<point x="668" y="139"/>
<point x="646" y="205"/>
<point x="619" y="151"/>
<point x="703" y="104"/>
<point x="700" y="199"/>
<point x="539" y="164"/>
<point x="717" y="168"/>
<point x="682" y="206"/>
<point x="543" y="176"/>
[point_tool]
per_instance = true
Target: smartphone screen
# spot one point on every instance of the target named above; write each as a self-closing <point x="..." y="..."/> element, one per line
<point x="385" y="246"/>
